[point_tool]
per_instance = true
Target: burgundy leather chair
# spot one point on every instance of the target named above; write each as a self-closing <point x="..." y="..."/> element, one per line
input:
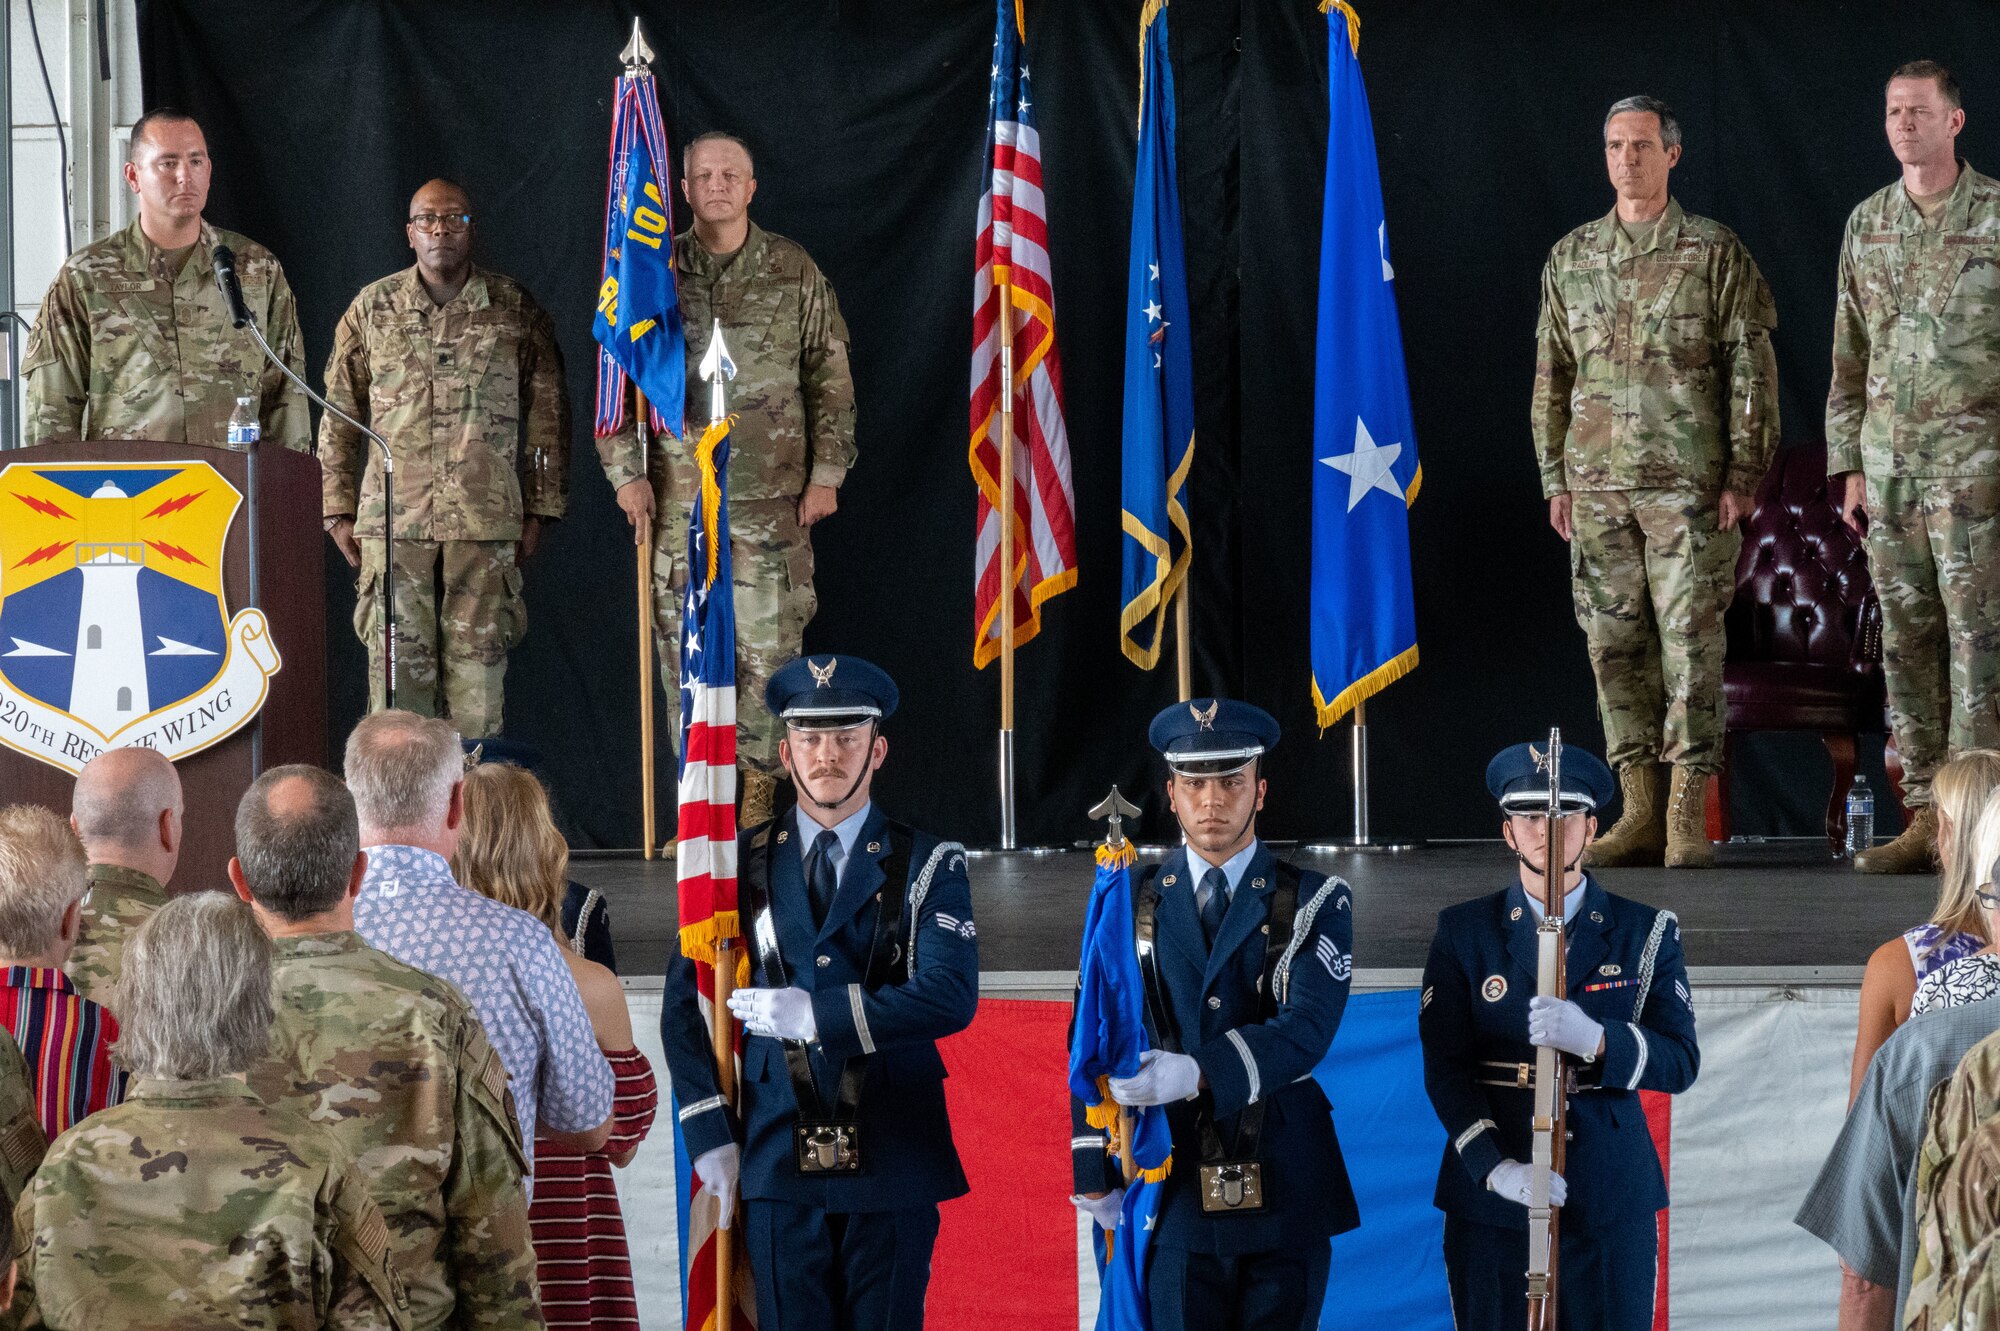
<point x="1805" y="632"/>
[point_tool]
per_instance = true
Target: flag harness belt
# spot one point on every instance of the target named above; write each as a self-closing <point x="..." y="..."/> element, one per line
<point x="1232" y="1181"/>
<point x="827" y="1139"/>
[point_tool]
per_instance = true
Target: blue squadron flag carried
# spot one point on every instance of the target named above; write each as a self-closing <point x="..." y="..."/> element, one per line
<point x="1159" y="367"/>
<point x="638" y="324"/>
<point x="1364" y="472"/>
<point x="1108" y="1036"/>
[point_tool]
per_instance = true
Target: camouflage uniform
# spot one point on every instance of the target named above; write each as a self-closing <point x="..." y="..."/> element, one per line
<point x="1655" y="390"/>
<point x="125" y="349"/>
<point x="470" y="396"/>
<point x="196" y="1205"/>
<point x="1956" y="1279"/>
<point x="22" y="1141"/>
<point x="1915" y="407"/>
<point x="394" y="1063"/>
<point x="793" y="400"/>
<point x="119" y="901"/>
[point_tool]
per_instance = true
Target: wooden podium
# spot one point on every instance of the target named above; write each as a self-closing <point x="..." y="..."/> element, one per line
<point x="272" y="560"/>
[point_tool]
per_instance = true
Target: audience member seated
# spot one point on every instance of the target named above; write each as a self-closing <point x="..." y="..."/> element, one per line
<point x="64" y="1038"/>
<point x="195" y="1203"/>
<point x="390" y="1059"/>
<point x="406" y="773"/>
<point x="1955" y="1282"/>
<point x="127" y="810"/>
<point x="1864" y="1203"/>
<point x="1956" y="927"/>
<point x="1972" y="978"/>
<point x="511" y="851"/>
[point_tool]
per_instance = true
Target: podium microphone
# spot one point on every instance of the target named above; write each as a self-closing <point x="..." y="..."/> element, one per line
<point x="240" y="317"/>
<point x="231" y="289"/>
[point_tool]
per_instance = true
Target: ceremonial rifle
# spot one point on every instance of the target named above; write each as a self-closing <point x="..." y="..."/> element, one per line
<point x="1114" y="809"/>
<point x="1551" y="1104"/>
<point x="718" y="370"/>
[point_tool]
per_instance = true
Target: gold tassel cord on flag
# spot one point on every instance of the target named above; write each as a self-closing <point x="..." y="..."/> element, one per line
<point x="1353" y="22"/>
<point x="697" y="942"/>
<point x="1106" y="1114"/>
<point x="711" y="489"/>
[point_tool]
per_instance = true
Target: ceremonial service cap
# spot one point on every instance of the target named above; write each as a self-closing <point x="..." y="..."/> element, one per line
<point x="830" y="693"/>
<point x="1212" y="736"/>
<point x="1518" y="778"/>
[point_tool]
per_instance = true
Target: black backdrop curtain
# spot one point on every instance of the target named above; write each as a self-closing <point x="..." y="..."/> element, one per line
<point x="866" y="117"/>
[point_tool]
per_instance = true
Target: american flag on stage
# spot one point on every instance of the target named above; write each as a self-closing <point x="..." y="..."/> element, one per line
<point x="1013" y="252"/>
<point x="706" y="854"/>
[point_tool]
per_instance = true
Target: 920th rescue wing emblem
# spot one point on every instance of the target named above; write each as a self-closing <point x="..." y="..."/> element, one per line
<point x="113" y="628"/>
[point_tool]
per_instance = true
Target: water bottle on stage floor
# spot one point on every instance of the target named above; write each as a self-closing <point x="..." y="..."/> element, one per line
<point x="1860" y="818"/>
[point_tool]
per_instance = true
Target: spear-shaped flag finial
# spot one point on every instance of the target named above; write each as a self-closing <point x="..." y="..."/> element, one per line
<point x="717" y="369"/>
<point x="637" y="55"/>
<point x="1113" y="810"/>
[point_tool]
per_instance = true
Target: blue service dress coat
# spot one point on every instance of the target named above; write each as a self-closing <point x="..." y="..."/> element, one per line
<point x="1217" y="1008"/>
<point x="907" y="1155"/>
<point x="1627" y="973"/>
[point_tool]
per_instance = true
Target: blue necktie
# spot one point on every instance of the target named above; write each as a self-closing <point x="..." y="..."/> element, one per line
<point x="1215" y="904"/>
<point x="821" y="878"/>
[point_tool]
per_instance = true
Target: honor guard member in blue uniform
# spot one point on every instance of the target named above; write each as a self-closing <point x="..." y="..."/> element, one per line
<point x="1628" y="1024"/>
<point x="1247" y="974"/>
<point x="863" y="955"/>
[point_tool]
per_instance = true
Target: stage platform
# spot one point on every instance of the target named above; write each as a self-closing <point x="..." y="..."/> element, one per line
<point x="1779" y="911"/>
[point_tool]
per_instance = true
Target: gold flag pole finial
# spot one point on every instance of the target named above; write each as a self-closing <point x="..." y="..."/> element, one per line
<point x="637" y="55"/>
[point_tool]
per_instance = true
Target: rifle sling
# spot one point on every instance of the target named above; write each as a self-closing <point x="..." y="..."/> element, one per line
<point x="885" y="953"/>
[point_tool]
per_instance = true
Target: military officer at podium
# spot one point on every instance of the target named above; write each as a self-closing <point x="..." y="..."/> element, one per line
<point x="134" y="341"/>
<point x="1628" y="1026"/>
<point x="1245" y="990"/>
<point x="863" y="955"/>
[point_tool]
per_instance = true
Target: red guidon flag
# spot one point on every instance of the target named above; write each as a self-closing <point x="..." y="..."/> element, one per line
<point x="1013" y="252"/>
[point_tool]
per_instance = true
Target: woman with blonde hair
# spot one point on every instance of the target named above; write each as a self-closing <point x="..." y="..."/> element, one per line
<point x="509" y="849"/>
<point x="1977" y="977"/>
<point x="1956" y="929"/>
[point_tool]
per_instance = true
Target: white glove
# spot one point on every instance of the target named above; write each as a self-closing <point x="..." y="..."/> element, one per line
<point x="786" y="1014"/>
<point x="1512" y="1180"/>
<point x="1162" y="1078"/>
<point x="717" y="1170"/>
<point x="1104" y="1210"/>
<point x="1557" y="1023"/>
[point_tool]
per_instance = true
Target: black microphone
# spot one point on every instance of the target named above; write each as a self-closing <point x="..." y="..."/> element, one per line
<point x="231" y="289"/>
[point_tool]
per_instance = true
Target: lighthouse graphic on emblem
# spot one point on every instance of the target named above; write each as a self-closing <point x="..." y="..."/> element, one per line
<point x="108" y="688"/>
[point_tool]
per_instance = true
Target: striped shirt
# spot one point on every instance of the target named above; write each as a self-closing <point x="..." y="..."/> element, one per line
<point x="66" y="1040"/>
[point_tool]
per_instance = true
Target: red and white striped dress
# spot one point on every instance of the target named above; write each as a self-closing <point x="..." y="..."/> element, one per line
<point x="585" y="1268"/>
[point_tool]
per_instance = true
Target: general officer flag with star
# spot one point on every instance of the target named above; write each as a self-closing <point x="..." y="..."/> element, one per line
<point x="1364" y="471"/>
<point x="1159" y="368"/>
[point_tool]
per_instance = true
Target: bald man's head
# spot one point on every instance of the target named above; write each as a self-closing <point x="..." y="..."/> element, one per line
<point x="439" y="229"/>
<point x="120" y="796"/>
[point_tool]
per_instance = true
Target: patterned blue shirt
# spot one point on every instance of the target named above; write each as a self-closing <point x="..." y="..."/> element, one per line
<point x="506" y="964"/>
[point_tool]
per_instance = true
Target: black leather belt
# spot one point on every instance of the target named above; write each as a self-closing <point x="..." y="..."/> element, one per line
<point x="1521" y="1077"/>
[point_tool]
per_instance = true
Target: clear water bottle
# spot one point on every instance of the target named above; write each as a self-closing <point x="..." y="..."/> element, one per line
<point x="1860" y="817"/>
<point x="243" y="428"/>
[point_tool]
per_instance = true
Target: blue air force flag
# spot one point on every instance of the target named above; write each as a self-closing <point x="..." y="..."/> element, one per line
<point x="1364" y="471"/>
<point x="1159" y="369"/>
<point x="1106" y="1040"/>
<point x="638" y="320"/>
